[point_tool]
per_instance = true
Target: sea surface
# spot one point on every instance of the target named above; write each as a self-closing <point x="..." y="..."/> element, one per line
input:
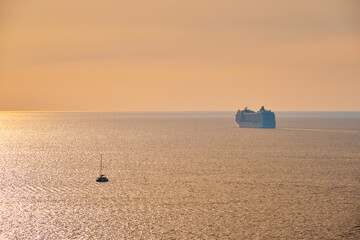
<point x="185" y="175"/>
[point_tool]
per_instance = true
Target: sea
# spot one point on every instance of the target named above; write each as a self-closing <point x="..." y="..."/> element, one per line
<point x="179" y="175"/>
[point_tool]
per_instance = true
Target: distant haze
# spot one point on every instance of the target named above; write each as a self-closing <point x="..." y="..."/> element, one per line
<point x="179" y="55"/>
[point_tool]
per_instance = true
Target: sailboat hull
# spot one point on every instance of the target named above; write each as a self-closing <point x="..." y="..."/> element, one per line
<point x="102" y="179"/>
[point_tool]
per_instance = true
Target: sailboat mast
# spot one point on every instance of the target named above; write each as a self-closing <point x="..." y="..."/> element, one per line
<point x="100" y="164"/>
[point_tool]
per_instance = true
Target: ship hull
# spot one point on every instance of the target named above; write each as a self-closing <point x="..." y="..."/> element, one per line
<point x="256" y="125"/>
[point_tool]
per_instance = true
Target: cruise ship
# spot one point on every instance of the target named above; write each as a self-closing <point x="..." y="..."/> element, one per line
<point x="260" y="119"/>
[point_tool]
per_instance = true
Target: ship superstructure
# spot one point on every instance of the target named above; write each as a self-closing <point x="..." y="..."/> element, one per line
<point x="261" y="119"/>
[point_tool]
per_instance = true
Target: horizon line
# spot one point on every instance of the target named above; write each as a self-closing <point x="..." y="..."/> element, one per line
<point x="161" y="111"/>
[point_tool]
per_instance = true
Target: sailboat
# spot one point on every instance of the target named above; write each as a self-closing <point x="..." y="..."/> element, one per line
<point x="102" y="177"/>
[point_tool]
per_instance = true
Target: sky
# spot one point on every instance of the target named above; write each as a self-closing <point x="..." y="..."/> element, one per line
<point x="167" y="55"/>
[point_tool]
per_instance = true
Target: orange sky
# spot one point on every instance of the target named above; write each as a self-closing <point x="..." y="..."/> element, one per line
<point x="159" y="55"/>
